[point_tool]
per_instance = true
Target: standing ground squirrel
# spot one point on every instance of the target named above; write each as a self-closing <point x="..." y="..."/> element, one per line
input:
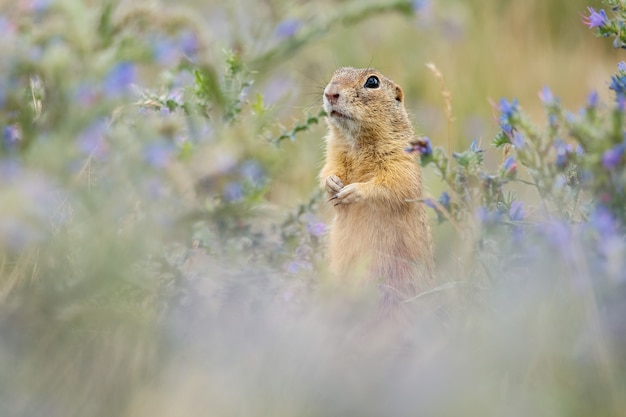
<point x="379" y="232"/>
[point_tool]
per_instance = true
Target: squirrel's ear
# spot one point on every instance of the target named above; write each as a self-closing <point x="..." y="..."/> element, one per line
<point x="399" y="94"/>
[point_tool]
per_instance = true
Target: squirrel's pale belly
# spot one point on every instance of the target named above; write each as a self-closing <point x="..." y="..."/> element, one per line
<point x="367" y="238"/>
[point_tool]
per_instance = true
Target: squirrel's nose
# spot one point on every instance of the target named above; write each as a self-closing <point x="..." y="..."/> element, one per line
<point x="332" y="97"/>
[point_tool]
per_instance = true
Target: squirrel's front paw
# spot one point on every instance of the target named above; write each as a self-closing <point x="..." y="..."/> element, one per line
<point x="333" y="185"/>
<point x="349" y="194"/>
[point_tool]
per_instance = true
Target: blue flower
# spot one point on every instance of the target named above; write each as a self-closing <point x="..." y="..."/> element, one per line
<point x="287" y="28"/>
<point x="444" y="200"/>
<point x="516" y="212"/>
<point x="618" y="84"/>
<point x="579" y="150"/>
<point x="559" y="234"/>
<point x="119" y="79"/>
<point x="592" y="99"/>
<point x="430" y="203"/>
<point x="613" y="157"/>
<point x="618" y="81"/>
<point x="421" y="145"/>
<point x="518" y="140"/>
<point x="563" y="153"/>
<point x="252" y="172"/>
<point x="233" y="191"/>
<point x="159" y="155"/>
<point x="509" y="167"/>
<point x="296" y="266"/>
<point x="316" y="229"/>
<point x="546" y="96"/>
<point x="595" y="19"/>
<point x="165" y="51"/>
<point x="11" y="135"/>
<point x="188" y="42"/>
<point x="603" y="221"/>
<point x="474" y="147"/>
<point x="488" y="217"/>
<point x="621" y="102"/>
<point x="507" y="111"/>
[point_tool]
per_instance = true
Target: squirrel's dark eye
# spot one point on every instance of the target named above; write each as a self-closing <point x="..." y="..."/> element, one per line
<point x="372" y="82"/>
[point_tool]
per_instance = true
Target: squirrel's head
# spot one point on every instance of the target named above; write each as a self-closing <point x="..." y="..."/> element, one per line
<point x="358" y="101"/>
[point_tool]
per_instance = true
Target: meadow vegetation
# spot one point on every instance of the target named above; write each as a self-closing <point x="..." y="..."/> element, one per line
<point x="162" y="228"/>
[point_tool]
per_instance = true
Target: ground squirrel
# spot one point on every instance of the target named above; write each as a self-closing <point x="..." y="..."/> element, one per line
<point x="379" y="233"/>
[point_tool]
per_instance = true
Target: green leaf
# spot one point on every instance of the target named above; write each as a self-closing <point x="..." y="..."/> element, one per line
<point x="257" y="105"/>
<point x="501" y="139"/>
<point x="208" y="86"/>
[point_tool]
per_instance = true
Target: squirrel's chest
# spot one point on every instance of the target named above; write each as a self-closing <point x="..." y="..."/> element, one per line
<point x="362" y="168"/>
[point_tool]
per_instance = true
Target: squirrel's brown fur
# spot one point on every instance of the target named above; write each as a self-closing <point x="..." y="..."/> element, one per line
<point x="379" y="233"/>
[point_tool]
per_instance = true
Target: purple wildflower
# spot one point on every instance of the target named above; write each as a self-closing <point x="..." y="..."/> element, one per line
<point x="287" y="28"/>
<point x="316" y="229"/>
<point x="613" y="157"/>
<point x="176" y="97"/>
<point x="165" y="51"/>
<point x="579" y="150"/>
<point x="444" y="200"/>
<point x="296" y="266"/>
<point x="475" y="147"/>
<point x="618" y="84"/>
<point x="233" y="191"/>
<point x="421" y="145"/>
<point x="488" y="217"/>
<point x="592" y="99"/>
<point x="159" y="155"/>
<point x="563" y="153"/>
<point x="509" y="167"/>
<point x="518" y="140"/>
<point x="507" y="111"/>
<point x="621" y="102"/>
<point x="603" y="222"/>
<point x="508" y="108"/>
<point x="618" y="81"/>
<point x="516" y="212"/>
<point x="11" y="135"/>
<point x="559" y="235"/>
<point x="546" y="96"/>
<point x="188" y="42"/>
<point x="119" y="79"/>
<point x="252" y="172"/>
<point x="595" y="19"/>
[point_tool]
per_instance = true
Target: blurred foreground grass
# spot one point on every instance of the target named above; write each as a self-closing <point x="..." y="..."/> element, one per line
<point x="162" y="251"/>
